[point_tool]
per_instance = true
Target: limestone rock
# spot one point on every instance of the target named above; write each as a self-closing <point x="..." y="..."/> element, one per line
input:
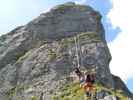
<point x="119" y="85"/>
<point x="38" y="58"/>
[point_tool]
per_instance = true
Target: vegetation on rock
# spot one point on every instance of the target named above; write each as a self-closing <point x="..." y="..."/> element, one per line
<point x="52" y="54"/>
<point x="34" y="98"/>
<point x="73" y="91"/>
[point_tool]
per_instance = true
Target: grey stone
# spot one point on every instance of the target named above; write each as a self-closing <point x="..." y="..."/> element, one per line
<point x="120" y="85"/>
<point x="110" y="98"/>
<point x="101" y="94"/>
<point x="39" y="57"/>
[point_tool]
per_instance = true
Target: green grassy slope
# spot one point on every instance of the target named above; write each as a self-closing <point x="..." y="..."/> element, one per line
<point x="73" y="91"/>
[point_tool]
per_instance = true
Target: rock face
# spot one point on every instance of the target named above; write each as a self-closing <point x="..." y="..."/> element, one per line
<point x="38" y="58"/>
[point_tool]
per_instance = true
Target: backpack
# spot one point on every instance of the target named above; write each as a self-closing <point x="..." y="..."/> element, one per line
<point x="90" y="78"/>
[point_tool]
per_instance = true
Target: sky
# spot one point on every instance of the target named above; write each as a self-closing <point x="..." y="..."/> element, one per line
<point x="117" y="20"/>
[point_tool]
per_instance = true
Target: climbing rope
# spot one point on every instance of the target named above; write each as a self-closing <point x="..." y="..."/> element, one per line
<point x="78" y="51"/>
<point x="77" y="55"/>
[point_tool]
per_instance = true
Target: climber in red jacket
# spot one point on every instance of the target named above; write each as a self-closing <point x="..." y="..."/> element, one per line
<point x="89" y="83"/>
<point x="86" y="81"/>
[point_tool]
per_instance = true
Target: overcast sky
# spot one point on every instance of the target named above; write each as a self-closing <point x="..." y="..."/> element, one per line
<point x="117" y="20"/>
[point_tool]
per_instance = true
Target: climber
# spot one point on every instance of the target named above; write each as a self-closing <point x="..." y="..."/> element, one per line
<point x="87" y="80"/>
<point x="89" y="83"/>
<point x="80" y="75"/>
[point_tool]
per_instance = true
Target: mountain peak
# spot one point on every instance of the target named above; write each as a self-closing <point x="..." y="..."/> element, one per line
<point x="37" y="60"/>
<point x="71" y="6"/>
<point x="66" y="20"/>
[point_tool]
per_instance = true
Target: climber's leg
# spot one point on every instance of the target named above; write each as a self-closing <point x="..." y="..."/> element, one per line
<point x="91" y="92"/>
<point x="88" y="96"/>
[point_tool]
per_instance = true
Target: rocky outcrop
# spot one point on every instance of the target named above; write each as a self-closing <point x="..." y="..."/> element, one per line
<point x="68" y="19"/>
<point x="37" y="59"/>
<point x="119" y="85"/>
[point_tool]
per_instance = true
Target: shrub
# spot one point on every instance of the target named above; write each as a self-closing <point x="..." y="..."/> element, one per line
<point x="34" y="98"/>
<point x="52" y="54"/>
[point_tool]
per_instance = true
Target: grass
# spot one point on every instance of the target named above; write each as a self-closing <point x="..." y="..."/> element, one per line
<point x="13" y="91"/>
<point x="19" y="88"/>
<point x="70" y="92"/>
<point x="52" y="54"/>
<point x="83" y="37"/>
<point x="61" y="8"/>
<point x="73" y="91"/>
<point x="24" y="56"/>
<point x="92" y="36"/>
<point x="34" y="98"/>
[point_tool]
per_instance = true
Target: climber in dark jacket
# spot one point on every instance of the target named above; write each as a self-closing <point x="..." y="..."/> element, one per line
<point x="89" y="82"/>
<point x="86" y="80"/>
<point x="78" y="72"/>
<point x="80" y="76"/>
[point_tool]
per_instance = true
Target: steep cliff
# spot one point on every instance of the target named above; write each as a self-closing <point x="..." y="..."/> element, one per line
<point x="37" y="60"/>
